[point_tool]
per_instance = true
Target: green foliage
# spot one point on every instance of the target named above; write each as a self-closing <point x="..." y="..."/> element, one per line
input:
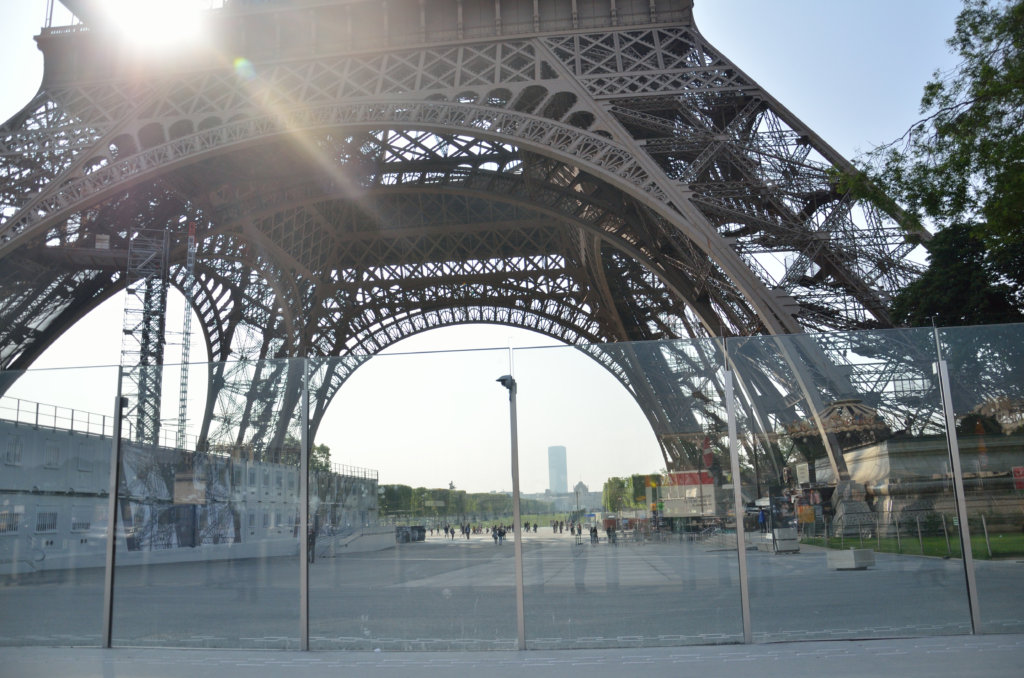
<point x="962" y="167"/>
<point x="395" y="499"/>
<point x="621" y="493"/>
<point x="640" y="483"/>
<point x="319" y="455"/>
<point x="960" y="287"/>
<point x="320" y="458"/>
<point x="1003" y="544"/>
<point x="454" y="505"/>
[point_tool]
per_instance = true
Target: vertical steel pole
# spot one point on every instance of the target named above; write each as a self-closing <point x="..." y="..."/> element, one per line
<point x="737" y="491"/>
<point x="961" y="499"/>
<point x="510" y="383"/>
<point x="304" y="511"/>
<point x="516" y="516"/>
<point x="108" y="572"/>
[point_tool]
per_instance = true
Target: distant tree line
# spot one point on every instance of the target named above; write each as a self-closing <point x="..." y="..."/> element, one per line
<point x="452" y="504"/>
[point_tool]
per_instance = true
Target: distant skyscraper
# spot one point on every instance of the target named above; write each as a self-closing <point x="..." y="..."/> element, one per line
<point x="558" y="476"/>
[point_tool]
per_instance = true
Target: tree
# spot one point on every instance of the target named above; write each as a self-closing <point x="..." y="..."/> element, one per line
<point x="960" y="286"/>
<point x="395" y="499"/>
<point x="617" y="494"/>
<point x="962" y="168"/>
<point x="319" y="455"/>
<point x="320" y="458"/>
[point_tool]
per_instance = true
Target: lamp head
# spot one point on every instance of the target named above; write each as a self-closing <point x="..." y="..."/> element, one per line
<point x="507" y="381"/>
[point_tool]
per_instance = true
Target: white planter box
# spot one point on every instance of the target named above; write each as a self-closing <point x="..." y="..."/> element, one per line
<point x="786" y="540"/>
<point x="851" y="559"/>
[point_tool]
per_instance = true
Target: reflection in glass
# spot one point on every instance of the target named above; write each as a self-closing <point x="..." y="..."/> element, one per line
<point x="403" y="557"/>
<point x="848" y="492"/>
<point x="642" y="551"/>
<point x="207" y="535"/>
<point x="986" y="368"/>
<point x="55" y="446"/>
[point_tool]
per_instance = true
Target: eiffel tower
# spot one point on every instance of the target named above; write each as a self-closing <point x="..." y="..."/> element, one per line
<point x="359" y="171"/>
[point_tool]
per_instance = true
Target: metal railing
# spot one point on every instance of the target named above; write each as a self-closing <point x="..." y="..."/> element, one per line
<point x="58" y="418"/>
<point x="42" y="415"/>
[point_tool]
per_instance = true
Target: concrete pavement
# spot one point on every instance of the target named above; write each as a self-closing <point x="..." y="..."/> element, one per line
<point x="992" y="656"/>
<point x="459" y="597"/>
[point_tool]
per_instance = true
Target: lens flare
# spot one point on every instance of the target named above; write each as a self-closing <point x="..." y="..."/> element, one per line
<point x="157" y="24"/>
<point x="244" y="69"/>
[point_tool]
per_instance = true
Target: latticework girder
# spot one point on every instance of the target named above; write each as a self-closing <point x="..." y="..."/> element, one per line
<point x="143" y="333"/>
<point x="596" y="176"/>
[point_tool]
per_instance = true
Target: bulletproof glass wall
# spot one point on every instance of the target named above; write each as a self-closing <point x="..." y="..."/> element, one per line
<point x="753" y="489"/>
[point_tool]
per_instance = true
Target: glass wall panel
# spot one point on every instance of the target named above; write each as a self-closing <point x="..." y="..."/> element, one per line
<point x="986" y="372"/>
<point x="847" y="486"/>
<point x="207" y="551"/>
<point x="848" y="496"/>
<point x="409" y="476"/>
<point x="627" y="495"/>
<point x="56" y="439"/>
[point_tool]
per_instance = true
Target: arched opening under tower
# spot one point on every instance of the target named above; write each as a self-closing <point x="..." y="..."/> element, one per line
<point x="427" y="412"/>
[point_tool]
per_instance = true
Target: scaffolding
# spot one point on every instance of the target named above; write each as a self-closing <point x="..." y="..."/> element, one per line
<point x="142" y="343"/>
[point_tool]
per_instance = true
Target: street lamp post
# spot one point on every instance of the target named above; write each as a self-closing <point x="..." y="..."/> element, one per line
<point x="508" y="382"/>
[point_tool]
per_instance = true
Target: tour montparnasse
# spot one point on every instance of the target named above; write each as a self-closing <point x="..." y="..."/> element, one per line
<point x="331" y="177"/>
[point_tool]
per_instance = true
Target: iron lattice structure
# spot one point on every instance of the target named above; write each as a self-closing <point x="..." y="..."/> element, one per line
<point x="144" y="330"/>
<point x="595" y="171"/>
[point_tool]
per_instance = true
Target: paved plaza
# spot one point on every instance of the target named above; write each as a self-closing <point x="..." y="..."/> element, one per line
<point x="458" y="595"/>
<point x="991" y="656"/>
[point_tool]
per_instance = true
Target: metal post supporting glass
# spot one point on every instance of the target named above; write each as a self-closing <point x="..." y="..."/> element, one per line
<point x="304" y="511"/>
<point x="737" y="489"/>
<point x="108" y="573"/>
<point x="508" y="382"/>
<point x="961" y="500"/>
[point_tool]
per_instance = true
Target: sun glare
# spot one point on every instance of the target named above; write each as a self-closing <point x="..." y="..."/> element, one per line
<point x="158" y="23"/>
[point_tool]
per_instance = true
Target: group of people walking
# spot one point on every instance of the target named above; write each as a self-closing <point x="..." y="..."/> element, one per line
<point x="575" y="528"/>
<point x="499" y="531"/>
<point x="450" y="531"/>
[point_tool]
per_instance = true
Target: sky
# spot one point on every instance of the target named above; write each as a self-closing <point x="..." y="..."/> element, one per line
<point x="430" y="412"/>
